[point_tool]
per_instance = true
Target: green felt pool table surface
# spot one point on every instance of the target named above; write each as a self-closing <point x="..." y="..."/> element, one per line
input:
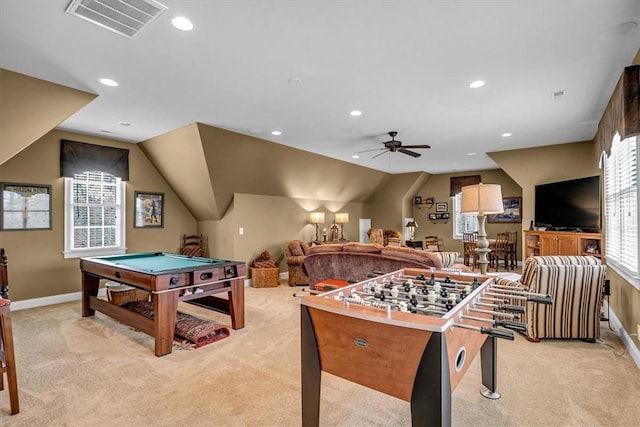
<point x="161" y="262"/>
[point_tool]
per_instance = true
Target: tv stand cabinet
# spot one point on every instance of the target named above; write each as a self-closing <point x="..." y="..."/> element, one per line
<point x="563" y="243"/>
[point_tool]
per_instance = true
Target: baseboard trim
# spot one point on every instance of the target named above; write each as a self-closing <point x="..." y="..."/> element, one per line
<point x="62" y="298"/>
<point x="50" y="300"/>
<point x="615" y="323"/>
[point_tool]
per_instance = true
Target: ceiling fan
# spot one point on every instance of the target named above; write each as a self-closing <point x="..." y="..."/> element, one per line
<point x="394" y="145"/>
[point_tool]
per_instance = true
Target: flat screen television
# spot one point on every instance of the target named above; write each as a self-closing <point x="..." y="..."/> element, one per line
<point x="572" y="205"/>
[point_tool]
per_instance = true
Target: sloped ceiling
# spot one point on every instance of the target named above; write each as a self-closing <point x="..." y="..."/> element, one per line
<point x="206" y="166"/>
<point x="30" y="107"/>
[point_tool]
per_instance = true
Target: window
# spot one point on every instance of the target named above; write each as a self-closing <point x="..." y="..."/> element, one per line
<point x="94" y="215"/>
<point x="621" y="207"/>
<point x="462" y="223"/>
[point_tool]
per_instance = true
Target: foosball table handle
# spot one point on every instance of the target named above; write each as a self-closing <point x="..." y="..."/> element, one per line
<point x="541" y="299"/>
<point x="498" y="333"/>
<point x="514" y="326"/>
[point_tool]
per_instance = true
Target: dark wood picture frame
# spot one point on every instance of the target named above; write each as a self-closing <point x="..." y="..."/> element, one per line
<point x="512" y="211"/>
<point x="25" y="206"/>
<point x="148" y="209"/>
<point x="442" y="207"/>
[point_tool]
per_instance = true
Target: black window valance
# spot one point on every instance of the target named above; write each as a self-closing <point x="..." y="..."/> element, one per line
<point x="457" y="182"/>
<point x="79" y="157"/>
<point x="622" y="114"/>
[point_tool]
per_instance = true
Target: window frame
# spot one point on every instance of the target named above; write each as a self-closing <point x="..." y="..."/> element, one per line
<point x="69" y="251"/>
<point x="614" y="262"/>
<point x="462" y="223"/>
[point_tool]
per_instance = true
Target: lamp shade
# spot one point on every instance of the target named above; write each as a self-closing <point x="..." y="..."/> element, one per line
<point x="412" y="224"/>
<point x="342" y="218"/>
<point x="480" y="199"/>
<point x="316" y="217"/>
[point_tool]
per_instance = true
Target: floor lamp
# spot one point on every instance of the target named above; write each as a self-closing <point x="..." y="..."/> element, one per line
<point x="482" y="199"/>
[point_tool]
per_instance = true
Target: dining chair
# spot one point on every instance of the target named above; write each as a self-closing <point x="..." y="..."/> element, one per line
<point x="513" y="249"/>
<point x="469" y="249"/>
<point x="500" y="251"/>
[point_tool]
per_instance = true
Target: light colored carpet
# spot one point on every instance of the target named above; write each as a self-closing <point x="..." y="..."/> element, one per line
<point x="75" y="371"/>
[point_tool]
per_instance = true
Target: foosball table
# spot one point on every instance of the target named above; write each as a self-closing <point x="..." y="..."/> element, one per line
<point x="417" y="332"/>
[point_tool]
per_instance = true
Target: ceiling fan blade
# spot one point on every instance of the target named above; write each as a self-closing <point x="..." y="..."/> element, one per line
<point x="374" y="149"/>
<point x="410" y="153"/>
<point x="380" y="154"/>
<point x="417" y="146"/>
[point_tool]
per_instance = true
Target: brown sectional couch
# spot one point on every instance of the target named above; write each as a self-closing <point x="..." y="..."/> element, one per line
<point x="355" y="261"/>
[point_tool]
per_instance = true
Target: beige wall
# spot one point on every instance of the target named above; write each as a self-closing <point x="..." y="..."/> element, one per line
<point x="270" y="222"/>
<point x="36" y="264"/>
<point x="438" y="187"/>
<point x="31" y="107"/>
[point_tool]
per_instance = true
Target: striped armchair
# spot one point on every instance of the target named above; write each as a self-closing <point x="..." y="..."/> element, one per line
<point x="575" y="283"/>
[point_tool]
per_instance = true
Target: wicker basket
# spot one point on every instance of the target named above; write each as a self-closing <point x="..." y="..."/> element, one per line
<point x="118" y="294"/>
<point x="265" y="277"/>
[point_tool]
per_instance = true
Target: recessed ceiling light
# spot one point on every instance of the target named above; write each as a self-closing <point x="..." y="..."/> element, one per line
<point x="476" y="84"/>
<point x="182" y="23"/>
<point x="506" y="134"/>
<point x="356" y="113"/>
<point x="355" y="156"/>
<point x="558" y="95"/>
<point x="124" y="123"/>
<point x="295" y="80"/>
<point x="276" y="133"/>
<point x="471" y="154"/>
<point x="108" y="82"/>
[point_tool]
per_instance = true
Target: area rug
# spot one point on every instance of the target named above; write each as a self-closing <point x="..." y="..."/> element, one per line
<point x="198" y="332"/>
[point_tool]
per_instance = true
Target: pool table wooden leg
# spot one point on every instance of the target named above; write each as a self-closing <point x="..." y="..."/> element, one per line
<point x="165" y="308"/>
<point x="90" y="285"/>
<point x="236" y="303"/>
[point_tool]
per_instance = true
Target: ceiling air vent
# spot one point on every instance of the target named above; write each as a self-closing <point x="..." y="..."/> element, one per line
<point x="125" y="17"/>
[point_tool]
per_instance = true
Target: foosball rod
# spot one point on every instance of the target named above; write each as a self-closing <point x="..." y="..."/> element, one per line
<point x="531" y="296"/>
<point x="505" y="307"/>
<point x="516" y="326"/>
<point x="494" y="313"/>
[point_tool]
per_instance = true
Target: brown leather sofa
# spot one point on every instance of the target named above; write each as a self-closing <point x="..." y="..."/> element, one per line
<point x="355" y="261"/>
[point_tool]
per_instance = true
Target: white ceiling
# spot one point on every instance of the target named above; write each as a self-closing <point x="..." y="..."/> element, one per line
<point x="301" y="66"/>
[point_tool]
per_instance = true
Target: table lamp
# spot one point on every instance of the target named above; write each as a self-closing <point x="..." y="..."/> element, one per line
<point x="411" y="227"/>
<point x="482" y="199"/>
<point x="316" y="218"/>
<point x="342" y="218"/>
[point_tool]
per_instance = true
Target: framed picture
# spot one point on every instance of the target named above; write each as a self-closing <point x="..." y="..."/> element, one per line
<point x="149" y="210"/>
<point x="25" y="207"/>
<point x="418" y="200"/>
<point x="429" y="201"/>
<point x="432" y="216"/>
<point x="442" y="207"/>
<point x="512" y="211"/>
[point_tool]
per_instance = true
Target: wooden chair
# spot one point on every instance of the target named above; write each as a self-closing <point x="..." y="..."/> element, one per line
<point x="432" y="243"/>
<point x="4" y="280"/>
<point x="191" y="245"/>
<point x="500" y="251"/>
<point x="513" y="249"/>
<point x="469" y="249"/>
<point x="7" y="355"/>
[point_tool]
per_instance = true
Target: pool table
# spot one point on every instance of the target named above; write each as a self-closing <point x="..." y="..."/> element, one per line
<point x="169" y="278"/>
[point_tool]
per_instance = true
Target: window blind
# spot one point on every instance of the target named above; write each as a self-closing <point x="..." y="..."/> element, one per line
<point x="621" y="204"/>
